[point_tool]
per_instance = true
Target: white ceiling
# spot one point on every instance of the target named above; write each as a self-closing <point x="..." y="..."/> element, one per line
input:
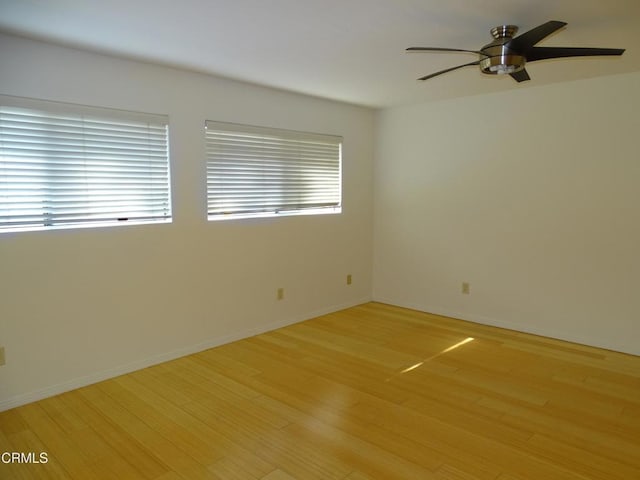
<point x="347" y="50"/>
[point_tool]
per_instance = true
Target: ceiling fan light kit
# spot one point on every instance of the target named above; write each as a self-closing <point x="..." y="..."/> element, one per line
<point x="508" y="55"/>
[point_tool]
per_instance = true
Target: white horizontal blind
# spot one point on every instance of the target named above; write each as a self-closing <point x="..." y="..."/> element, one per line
<point x="65" y="165"/>
<point x="258" y="171"/>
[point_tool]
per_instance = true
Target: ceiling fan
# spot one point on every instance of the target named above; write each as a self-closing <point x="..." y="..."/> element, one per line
<point x="508" y="55"/>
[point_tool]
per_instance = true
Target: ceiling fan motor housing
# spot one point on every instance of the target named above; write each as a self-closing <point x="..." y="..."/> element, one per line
<point x="497" y="58"/>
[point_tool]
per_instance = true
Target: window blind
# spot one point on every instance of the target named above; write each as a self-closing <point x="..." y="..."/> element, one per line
<point x="255" y="171"/>
<point x="65" y="165"/>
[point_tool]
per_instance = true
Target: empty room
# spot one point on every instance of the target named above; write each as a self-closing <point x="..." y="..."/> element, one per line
<point x="337" y="240"/>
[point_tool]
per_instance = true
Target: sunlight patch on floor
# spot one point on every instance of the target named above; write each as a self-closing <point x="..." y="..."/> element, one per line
<point x="452" y="347"/>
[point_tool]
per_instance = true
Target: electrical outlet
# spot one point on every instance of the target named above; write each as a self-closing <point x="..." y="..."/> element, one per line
<point x="465" y="288"/>
<point x="349" y="279"/>
<point x="2" y="358"/>
<point x="280" y="294"/>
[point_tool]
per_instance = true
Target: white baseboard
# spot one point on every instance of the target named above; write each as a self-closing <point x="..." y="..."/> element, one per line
<point x="49" y="391"/>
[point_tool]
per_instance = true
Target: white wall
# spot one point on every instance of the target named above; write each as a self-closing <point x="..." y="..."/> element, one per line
<point x="77" y="306"/>
<point x="532" y="196"/>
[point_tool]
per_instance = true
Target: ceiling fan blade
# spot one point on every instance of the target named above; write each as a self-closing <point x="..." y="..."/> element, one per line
<point x="521" y="76"/>
<point x="524" y="42"/>
<point x="427" y="77"/>
<point x="438" y="49"/>
<point x="544" y="53"/>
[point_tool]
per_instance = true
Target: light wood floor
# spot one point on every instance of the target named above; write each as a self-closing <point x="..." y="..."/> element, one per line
<point x="372" y="392"/>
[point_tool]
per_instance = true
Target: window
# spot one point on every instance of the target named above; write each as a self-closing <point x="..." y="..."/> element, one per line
<point x="256" y="171"/>
<point x="65" y="165"/>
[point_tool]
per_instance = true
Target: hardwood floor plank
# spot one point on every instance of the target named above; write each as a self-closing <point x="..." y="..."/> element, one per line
<point x="595" y="465"/>
<point x="447" y="472"/>
<point x="27" y="441"/>
<point x="278" y="475"/>
<point x="358" y="476"/>
<point x="302" y="407"/>
<point x="62" y="450"/>
<point x="162" y="449"/>
<point x="358" y="452"/>
<point x="12" y="422"/>
<point x="117" y="437"/>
